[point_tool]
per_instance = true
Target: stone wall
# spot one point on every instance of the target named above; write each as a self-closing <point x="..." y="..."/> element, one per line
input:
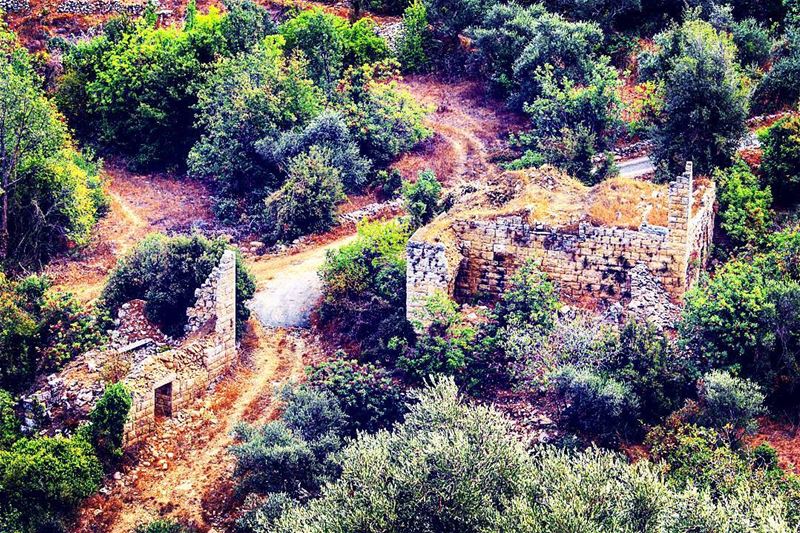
<point x="207" y="351"/>
<point x="587" y="262"/>
<point x="13" y="6"/>
<point x="103" y="7"/>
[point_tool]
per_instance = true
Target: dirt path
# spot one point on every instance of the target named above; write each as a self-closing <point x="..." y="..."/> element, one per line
<point x="288" y="287"/>
<point x="471" y="130"/>
<point x="139" y="204"/>
<point x="184" y="471"/>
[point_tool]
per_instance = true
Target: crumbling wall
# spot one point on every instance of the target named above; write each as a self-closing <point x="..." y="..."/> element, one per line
<point x="207" y="351"/>
<point x="587" y="262"/>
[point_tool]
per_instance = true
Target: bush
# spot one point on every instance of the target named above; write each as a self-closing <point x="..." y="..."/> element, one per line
<point x="367" y="394"/>
<point x="571" y="123"/>
<point x="165" y="272"/>
<point x="9" y="425"/>
<point x="331" y="44"/>
<point x="744" y="206"/>
<point x="133" y="90"/>
<point x="530" y="299"/>
<point x="453" y="467"/>
<point x="451" y="18"/>
<point x="515" y="43"/>
<point x="244" y="25"/>
<point x="162" y="526"/>
<point x="364" y="287"/>
<point x="107" y="422"/>
<point x="386" y="120"/>
<point x="780" y="165"/>
<point x="595" y="404"/>
<point x="422" y="198"/>
<point x="729" y="404"/>
<point x="412" y="48"/>
<point x="40" y="330"/>
<point x="307" y="202"/>
<point x="327" y="131"/>
<point x="246" y="102"/>
<point x="778" y="87"/>
<point x="745" y="317"/>
<point x="698" y="68"/>
<point x="42" y="480"/>
<point x="296" y="454"/>
<point x="445" y="347"/>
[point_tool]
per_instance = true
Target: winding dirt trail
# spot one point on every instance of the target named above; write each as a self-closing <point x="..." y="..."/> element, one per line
<point x="471" y="130"/>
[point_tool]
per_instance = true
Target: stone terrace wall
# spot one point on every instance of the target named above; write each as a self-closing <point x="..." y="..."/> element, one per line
<point x="587" y="262"/>
<point x="208" y="350"/>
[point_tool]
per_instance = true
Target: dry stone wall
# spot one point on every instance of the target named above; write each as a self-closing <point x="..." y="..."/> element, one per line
<point x="477" y="255"/>
<point x="207" y="351"/>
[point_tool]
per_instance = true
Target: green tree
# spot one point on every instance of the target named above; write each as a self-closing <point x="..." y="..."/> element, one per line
<point x="781" y="160"/>
<point x="412" y="49"/>
<point x="307" y="201"/>
<point x="9" y="424"/>
<point x="422" y="198"/>
<point x="744" y="206"/>
<point x="729" y="404"/>
<point x="705" y="105"/>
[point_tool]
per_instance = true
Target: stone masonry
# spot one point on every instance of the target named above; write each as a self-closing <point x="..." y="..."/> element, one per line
<point x="207" y="351"/>
<point x="163" y="374"/>
<point x="475" y="255"/>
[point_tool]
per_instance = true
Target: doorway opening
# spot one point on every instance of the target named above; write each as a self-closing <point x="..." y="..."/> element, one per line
<point x="163" y="401"/>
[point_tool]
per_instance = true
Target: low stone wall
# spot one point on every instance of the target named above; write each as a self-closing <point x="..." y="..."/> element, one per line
<point x="103" y="7"/>
<point x="587" y="262"/>
<point x="14" y="6"/>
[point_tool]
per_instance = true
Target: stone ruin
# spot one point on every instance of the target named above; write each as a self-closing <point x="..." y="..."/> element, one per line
<point x="470" y="253"/>
<point x="164" y="375"/>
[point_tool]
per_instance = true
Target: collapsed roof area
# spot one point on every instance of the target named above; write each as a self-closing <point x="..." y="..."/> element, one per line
<point x="587" y="239"/>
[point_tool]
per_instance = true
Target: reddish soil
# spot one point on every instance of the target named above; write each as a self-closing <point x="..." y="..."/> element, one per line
<point x="184" y="470"/>
<point x="470" y="128"/>
<point x="140" y="204"/>
<point x="785" y="438"/>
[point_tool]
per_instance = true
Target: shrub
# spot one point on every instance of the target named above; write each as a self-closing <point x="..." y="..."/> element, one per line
<point x="452" y="18"/>
<point x="446" y="345"/>
<point x="331" y="44"/>
<point x="453" y="467"/>
<point x="571" y="123"/>
<point x="327" y="131"/>
<point x="162" y="526"/>
<point x="107" y="422"/>
<point x="515" y="43"/>
<point x="698" y="68"/>
<point x="244" y="25"/>
<point x="595" y="404"/>
<point x="366" y="393"/>
<point x="135" y="89"/>
<point x="530" y="299"/>
<point x="729" y="404"/>
<point x="165" y="272"/>
<point x="412" y="48"/>
<point x="780" y="165"/>
<point x="422" y="198"/>
<point x="778" y="87"/>
<point x="296" y="454"/>
<point x="40" y="330"/>
<point x="307" y="202"/>
<point x="364" y="287"/>
<point x="43" y="480"/>
<point x="52" y="195"/>
<point x="744" y="206"/>
<point x="245" y="102"/>
<point x="9" y="425"/>
<point x="386" y="120"/>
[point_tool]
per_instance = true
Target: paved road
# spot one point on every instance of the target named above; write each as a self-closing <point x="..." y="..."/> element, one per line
<point x="633" y="168"/>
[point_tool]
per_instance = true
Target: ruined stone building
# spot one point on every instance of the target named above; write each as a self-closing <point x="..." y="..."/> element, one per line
<point x="163" y="375"/>
<point x="586" y="239"/>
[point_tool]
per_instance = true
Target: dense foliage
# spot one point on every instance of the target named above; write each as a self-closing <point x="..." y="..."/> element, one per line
<point x="745" y="208"/>
<point x="364" y="288"/>
<point x="165" y="272"/>
<point x="40" y="330"/>
<point x="50" y="194"/>
<point x="781" y="160"/>
<point x="393" y="481"/>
